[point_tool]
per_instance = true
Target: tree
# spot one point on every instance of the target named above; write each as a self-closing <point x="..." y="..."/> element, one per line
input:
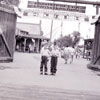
<point x="70" y="40"/>
<point x="64" y="41"/>
<point x="76" y="37"/>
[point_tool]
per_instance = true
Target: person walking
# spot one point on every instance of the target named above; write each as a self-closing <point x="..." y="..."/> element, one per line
<point x="45" y="53"/>
<point x="72" y="53"/>
<point x="54" y="59"/>
<point x="66" y="54"/>
<point x="77" y="52"/>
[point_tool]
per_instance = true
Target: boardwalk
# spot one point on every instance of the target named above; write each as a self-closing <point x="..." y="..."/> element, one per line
<point x="21" y="80"/>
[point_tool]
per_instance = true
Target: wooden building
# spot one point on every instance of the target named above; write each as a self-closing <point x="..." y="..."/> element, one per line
<point x="29" y="36"/>
<point x="7" y="32"/>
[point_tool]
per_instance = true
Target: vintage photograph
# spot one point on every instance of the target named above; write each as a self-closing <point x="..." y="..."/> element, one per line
<point x="49" y="49"/>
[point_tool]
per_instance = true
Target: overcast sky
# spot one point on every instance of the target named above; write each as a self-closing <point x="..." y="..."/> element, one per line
<point x="86" y="30"/>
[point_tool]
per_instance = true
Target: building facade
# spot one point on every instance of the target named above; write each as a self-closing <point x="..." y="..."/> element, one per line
<point x="29" y="37"/>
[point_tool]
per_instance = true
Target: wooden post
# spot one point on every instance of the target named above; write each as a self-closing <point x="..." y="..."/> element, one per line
<point x="96" y="45"/>
<point x="97" y="10"/>
<point x="24" y="44"/>
<point x="38" y="45"/>
<point x="95" y="62"/>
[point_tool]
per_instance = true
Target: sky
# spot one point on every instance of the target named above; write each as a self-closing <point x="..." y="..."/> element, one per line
<point x="86" y="29"/>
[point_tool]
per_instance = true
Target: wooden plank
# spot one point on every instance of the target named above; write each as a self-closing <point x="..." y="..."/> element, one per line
<point x="7" y="59"/>
<point x="6" y="44"/>
<point x="96" y="46"/>
<point x="14" y="32"/>
<point x="78" y="1"/>
<point x="7" y="33"/>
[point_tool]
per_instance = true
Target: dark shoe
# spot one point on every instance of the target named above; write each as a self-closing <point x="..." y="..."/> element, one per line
<point x="41" y="73"/>
<point x="45" y="73"/>
<point x="52" y="74"/>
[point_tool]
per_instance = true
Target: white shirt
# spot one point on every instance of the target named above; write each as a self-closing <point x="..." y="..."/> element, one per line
<point x="71" y="50"/>
<point x="45" y="52"/>
<point x="55" y="52"/>
<point x="66" y="50"/>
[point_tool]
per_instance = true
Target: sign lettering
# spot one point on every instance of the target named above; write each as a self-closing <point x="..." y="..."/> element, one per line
<point x="53" y="6"/>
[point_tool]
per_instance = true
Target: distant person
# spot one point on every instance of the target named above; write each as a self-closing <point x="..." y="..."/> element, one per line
<point x="30" y="48"/>
<point x="62" y="52"/>
<point x="71" y="53"/>
<point x="66" y="54"/>
<point x="77" y="52"/>
<point x="35" y="49"/>
<point x="45" y="53"/>
<point x="88" y="55"/>
<point x="54" y="59"/>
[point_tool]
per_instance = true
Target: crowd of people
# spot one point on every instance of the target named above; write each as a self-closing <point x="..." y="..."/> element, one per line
<point x="53" y="52"/>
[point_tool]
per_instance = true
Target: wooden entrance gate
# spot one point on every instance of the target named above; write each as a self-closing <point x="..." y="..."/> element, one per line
<point x="7" y="32"/>
<point x="95" y="61"/>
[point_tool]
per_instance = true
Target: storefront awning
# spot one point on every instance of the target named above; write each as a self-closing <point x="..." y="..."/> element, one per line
<point x="33" y="36"/>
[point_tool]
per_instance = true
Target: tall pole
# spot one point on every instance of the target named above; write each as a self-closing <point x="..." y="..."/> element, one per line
<point x="61" y="28"/>
<point x="51" y="26"/>
<point x="97" y="10"/>
<point x="79" y="26"/>
<point x="37" y="3"/>
<point x="51" y="30"/>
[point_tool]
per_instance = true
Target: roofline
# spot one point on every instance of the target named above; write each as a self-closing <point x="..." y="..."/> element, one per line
<point x="28" y="23"/>
<point x="33" y="36"/>
<point x="78" y="1"/>
<point x="21" y="30"/>
<point x="89" y="39"/>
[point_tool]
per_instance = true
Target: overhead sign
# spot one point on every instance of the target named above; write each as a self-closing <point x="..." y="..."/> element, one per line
<point x="57" y="15"/>
<point x="53" y="6"/>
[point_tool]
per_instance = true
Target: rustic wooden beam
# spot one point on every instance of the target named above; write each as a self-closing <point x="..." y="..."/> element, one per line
<point x="6" y="8"/>
<point x="3" y="59"/>
<point x="78" y="1"/>
<point x="6" y="44"/>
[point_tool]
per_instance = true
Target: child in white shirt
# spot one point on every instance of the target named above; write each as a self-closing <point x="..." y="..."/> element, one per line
<point x="44" y="59"/>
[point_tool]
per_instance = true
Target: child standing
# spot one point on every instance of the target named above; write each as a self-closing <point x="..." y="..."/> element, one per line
<point x="54" y="59"/>
<point x="44" y="59"/>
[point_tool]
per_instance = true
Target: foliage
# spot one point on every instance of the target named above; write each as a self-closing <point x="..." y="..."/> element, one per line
<point x="76" y="37"/>
<point x="70" y="40"/>
<point x="64" y="41"/>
